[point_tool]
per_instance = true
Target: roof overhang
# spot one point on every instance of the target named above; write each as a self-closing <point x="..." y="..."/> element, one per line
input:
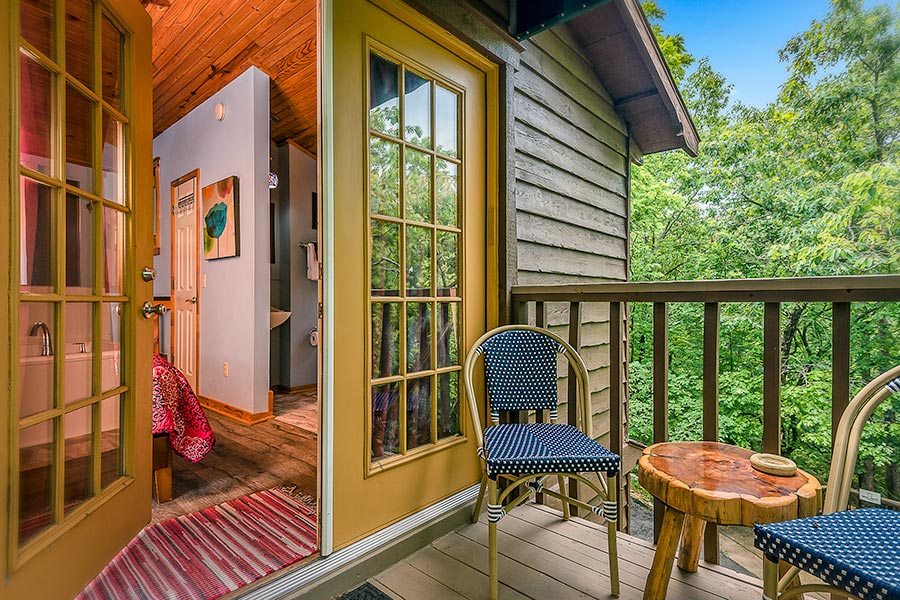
<point x="622" y="49"/>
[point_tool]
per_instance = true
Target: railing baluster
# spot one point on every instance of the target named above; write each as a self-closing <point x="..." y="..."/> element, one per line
<point x="660" y="394"/>
<point x="772" y="378"/>
<point x="711" y="407"/>
<point x="616" y="436"/>
<point x="572" y="414"/>
<point x="540" y="320"/>
<point x="840" y="362"/>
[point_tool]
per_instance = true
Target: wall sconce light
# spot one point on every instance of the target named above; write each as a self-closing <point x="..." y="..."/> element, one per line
<point x="220" y="111"/>
<point x="273" y="180"/>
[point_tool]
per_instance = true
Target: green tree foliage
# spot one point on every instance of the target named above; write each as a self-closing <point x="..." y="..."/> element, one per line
<point x="806" y="186"/>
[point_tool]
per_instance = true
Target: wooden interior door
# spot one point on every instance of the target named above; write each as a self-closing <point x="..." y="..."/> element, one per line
<point x="413" y="133"/>
<point x="185" y="270"/>
<point x="75" y="232"/>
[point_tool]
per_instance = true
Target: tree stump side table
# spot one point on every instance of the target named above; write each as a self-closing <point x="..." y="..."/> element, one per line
<point x="702" y="482"/>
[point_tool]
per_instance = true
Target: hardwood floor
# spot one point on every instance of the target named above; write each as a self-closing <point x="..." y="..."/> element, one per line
<point x="245" y="459"/>
<point x="542" y="556"/>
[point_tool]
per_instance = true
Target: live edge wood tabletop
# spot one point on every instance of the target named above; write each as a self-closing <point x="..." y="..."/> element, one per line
<point x="702" y="482"/>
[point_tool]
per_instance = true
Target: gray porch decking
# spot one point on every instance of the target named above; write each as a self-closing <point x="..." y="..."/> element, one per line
<point x="541" y="557"/>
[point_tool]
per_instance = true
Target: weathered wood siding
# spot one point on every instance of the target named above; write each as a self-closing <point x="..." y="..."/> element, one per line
<point x="571" y="192"/>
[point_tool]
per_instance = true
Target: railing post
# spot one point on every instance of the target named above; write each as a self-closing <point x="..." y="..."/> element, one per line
<point x="772" y="378"/>
<point x="616" y="423"/>
<point x="660" y="394"/>
<point x="572" y="413"/>
<point x="540" y="320"/>
<point x="711" y="407"/>
<point x="840" y="363"/>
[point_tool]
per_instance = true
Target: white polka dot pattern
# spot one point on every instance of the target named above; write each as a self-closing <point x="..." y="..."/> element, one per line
<point x="856" y="550"/>
<point x="520" y="449"/>
<point x="520" y="370"/>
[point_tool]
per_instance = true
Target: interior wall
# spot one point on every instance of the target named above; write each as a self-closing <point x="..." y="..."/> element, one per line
<point x="295" y="356"/>
<point x="234" y="303"/>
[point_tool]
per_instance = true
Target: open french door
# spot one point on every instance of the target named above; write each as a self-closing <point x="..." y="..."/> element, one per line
<point x="75" y="232"/>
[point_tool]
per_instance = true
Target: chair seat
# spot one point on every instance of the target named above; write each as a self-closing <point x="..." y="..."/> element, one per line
<point x="856" y="550"/>
<point x="520" y="449"/>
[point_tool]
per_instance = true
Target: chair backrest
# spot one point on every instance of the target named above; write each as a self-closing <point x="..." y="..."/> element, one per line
<point x="521" y="372"/>
<point x="849" y="434"/>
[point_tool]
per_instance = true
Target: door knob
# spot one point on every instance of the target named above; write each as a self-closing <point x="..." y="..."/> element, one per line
<point x="192" y="300"/>
<point x="150" y="310"/>
<point x="148" y="273"/>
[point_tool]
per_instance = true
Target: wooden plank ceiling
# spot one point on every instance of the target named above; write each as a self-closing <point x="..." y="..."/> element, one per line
<point x="199" y="46"/>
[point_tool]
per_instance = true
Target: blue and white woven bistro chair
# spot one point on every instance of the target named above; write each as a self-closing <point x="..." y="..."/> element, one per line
<point x="520" y="365"/>
<point x="851" y="551"/>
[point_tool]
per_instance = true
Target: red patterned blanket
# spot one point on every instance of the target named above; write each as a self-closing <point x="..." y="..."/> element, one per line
<point x="177" y="412"/>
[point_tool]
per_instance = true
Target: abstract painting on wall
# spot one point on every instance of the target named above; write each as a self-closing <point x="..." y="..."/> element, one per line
<point x="221" y="219"/>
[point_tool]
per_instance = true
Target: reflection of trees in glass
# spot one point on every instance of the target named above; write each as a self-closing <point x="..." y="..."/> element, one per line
<point x="418" y="412"/>
<point x="417" y="190"/>
<point x="384" y="177"/>
<point x="385" y="258"/>
<point x="448" y="404"/>
<point x="418" y="261"/>
<point x="385" y="339"/>
<point x="429" y="185"/>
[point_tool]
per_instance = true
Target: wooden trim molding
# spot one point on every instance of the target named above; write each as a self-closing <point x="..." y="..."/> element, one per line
<point x="236" y="414"/>
<point x="283" y="389"/>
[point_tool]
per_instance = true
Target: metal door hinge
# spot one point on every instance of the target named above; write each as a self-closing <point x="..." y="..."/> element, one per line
<point x="321" y="310"/>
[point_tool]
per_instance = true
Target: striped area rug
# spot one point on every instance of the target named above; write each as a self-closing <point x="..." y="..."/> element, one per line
<point x="211" y="552"/>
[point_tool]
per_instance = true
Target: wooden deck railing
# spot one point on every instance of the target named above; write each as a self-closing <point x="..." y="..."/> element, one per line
<point x="840" y="292"/>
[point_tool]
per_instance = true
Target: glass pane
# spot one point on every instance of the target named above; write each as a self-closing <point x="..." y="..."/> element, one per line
<point x="77" y="429"/>
<point x="113" y="181"/>
<point x="447" y="263"/>
<point x="385" y="420"/>
<point x="36" y="239"/>
<point x="384" y="177"/>
<point x="417" y="109"/>
<point x="35" y="93"/>
<point x="35" y="479"/>
<point x="385" y="258"/>
<point x="111" y="61"/>
<point x="448" y="334"/>
<point x="446" y="193"/>
<point x="418" y="186"/>
<point x="79" y="334"/>
<point x="36" y="382"/>
<point x="79" y="41"/>
<point x="36" y="22"/>
<point x="418" y="261"/>
<point x="111" y="344"/>
<point x="385" y="339"/>
<point x="448" y="404"/>
<point x="113" y="257"/>
<point x="79" y="133"/>
<point x="110" y="443"/>
<point x="446" y="117"/>
<point x="418" y="336"/>
<point x="384" y="96"/>
<point x="418" y="412"/>
<point x="79" y="245"/>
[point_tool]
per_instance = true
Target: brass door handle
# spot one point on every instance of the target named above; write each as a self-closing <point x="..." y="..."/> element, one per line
<point x="192" y="300"/>
<point x="150" y="310"/>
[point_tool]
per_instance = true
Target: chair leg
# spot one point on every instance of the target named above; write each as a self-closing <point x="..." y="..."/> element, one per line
<point x="770" y="579"/>
<point x="492" y="541"/>
<point x="477" y="511"/>
<point x="564" y="492"/>
<point x="611" y="525"/>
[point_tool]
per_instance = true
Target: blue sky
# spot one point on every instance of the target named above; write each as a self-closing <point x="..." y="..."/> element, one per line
<point x="742" y="39"/>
